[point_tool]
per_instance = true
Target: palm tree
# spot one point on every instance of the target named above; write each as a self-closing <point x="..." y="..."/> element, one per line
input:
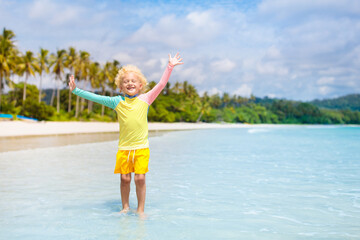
<point x="215" y="101"/>
<point x="101" y="82"/>
<point x="7" y="54"/>
<point x="205" y="106"/>
<point x="94" y="70"/>
<point x="111" y="72"/>
<point x="58" y="70"/>
<point x="167" y="89"/>
<point x="225" y="99"/>
<point x="191" y="92"/>
<point x="177" y="88"/>
<point x="241" y="100"/>
<point x="28" y="66"/>
<point x="107" y="78"/>
<point x="43" y="66"/>
<point x="84" y="62"/>
<point x="185" y="87"/>
<point x="71" y="62"/>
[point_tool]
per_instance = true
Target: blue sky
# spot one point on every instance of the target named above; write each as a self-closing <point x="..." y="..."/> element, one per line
<point x="298" y="49"/>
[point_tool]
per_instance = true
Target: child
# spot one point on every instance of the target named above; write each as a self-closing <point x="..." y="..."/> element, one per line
<point x="132" y="108"/>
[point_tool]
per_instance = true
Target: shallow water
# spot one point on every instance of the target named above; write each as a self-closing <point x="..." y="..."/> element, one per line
<point x="290" y="182"/>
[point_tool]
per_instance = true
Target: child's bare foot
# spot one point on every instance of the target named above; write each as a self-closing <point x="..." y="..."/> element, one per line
<point x="142" y="215"/>
<point x="125" y="210"/>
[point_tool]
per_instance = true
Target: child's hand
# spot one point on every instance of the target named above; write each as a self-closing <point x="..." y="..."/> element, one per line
<point x="175" y="60"/>
<point x="72" y="84"/>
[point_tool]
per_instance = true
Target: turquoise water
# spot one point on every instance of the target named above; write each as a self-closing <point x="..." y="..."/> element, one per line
<point x="288" y="182"/>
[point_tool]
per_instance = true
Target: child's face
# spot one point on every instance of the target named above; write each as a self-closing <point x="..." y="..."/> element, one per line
<point x="131" y="84"/>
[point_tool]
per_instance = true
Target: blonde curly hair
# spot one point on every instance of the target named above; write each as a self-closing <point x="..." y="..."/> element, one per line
<point x="127" y="69"/>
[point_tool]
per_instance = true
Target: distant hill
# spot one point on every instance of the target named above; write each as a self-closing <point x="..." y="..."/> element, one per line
<point x="351" y="101"/>
<point x="47" y="97"/>
<point x="265" y="101"/>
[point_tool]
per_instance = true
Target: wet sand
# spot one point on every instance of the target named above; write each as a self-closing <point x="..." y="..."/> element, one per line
<point x="23" y="128"/>
<point x="30" y="142"/>
<point x="20" y="135"/>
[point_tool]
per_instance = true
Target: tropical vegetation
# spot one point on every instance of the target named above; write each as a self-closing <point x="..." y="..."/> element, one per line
<point x="179" y="102"/>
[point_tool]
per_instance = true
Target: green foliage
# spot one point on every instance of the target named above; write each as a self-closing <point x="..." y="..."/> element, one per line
<point x="31" y="107"/>
<point x="245" y="114"/>
<point x="351" y="117"/>
<point x="182" y="103"/>
<point x="8" y="106"/>
<point x="351" y="102"/>
<point x="173" y="105"/>
<point x="177" y="102"/>
<point x="37" y="110"/>
<point x="332" y="116"/>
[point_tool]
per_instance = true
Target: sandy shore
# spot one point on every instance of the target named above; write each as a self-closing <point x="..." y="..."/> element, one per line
<point x="22" y="128"/>
<point x="21" y="135"/>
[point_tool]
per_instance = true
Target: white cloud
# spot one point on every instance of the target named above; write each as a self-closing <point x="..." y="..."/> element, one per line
<point x="294" y="9"/>
<point x="52" y="12"/>
<point x="136" y="56"/>
<point x="273" y="53"/>
<point x="164" y="62"/>
<point x="271" y="68"/>
<point x="272" y="95"/>
<point x="42" y="9"/>
<point x="248" y="77"/>
<point x="214" y="91"/>
<point x="244" y="90"/>
<point x="195" y="74"/>
<point x="324" y="90"/>
<point x="179" y="32"/>
<point x="249" y="64"/>
<point x="325" y="80"/>
<point x="152" y="63"/>
<point x="286" y="48"/>
<point x="223" y="65"/>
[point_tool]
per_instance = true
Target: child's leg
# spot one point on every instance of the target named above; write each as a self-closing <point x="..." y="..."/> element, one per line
<point x="125" y="191"/>
<point x="140" y="191"/>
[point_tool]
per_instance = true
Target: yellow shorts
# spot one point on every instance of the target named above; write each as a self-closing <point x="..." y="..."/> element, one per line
<point x="136" y="161"/>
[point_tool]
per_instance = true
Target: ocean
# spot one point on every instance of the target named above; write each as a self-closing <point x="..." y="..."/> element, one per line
<point x="271" y="182"/>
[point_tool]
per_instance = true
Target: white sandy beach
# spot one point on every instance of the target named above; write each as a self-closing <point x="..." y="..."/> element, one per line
<point x="24" y="128"/>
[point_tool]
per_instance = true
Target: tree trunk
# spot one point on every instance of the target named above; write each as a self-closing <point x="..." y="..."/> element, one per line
<point x="70" y="95"/>
<point x="58" y="100"/>
<point x="69" y="105"/>
<point x="90" y="106"/>
<point x="102" y="106"/>
<point x="24" y="92"/>
<point x="40" y="88"/>
<point x="52" y="98"/>
<point x="1" y="80"/>
<point x="198" y="119"/>
<point x="77" y="107"/>
<point x="82" y="105"/>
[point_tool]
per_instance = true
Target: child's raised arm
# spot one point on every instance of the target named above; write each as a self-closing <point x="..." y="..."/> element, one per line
<point x="150" y="96"/>
<point x="176" y="60"/>
<point x="72" y="84"/>
<point x="110" y="102"/>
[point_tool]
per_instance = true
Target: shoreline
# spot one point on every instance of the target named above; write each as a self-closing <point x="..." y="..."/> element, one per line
<point x="11" y="129"/>
<point x="22" y="135"/>
<point x="21" y="129"/>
